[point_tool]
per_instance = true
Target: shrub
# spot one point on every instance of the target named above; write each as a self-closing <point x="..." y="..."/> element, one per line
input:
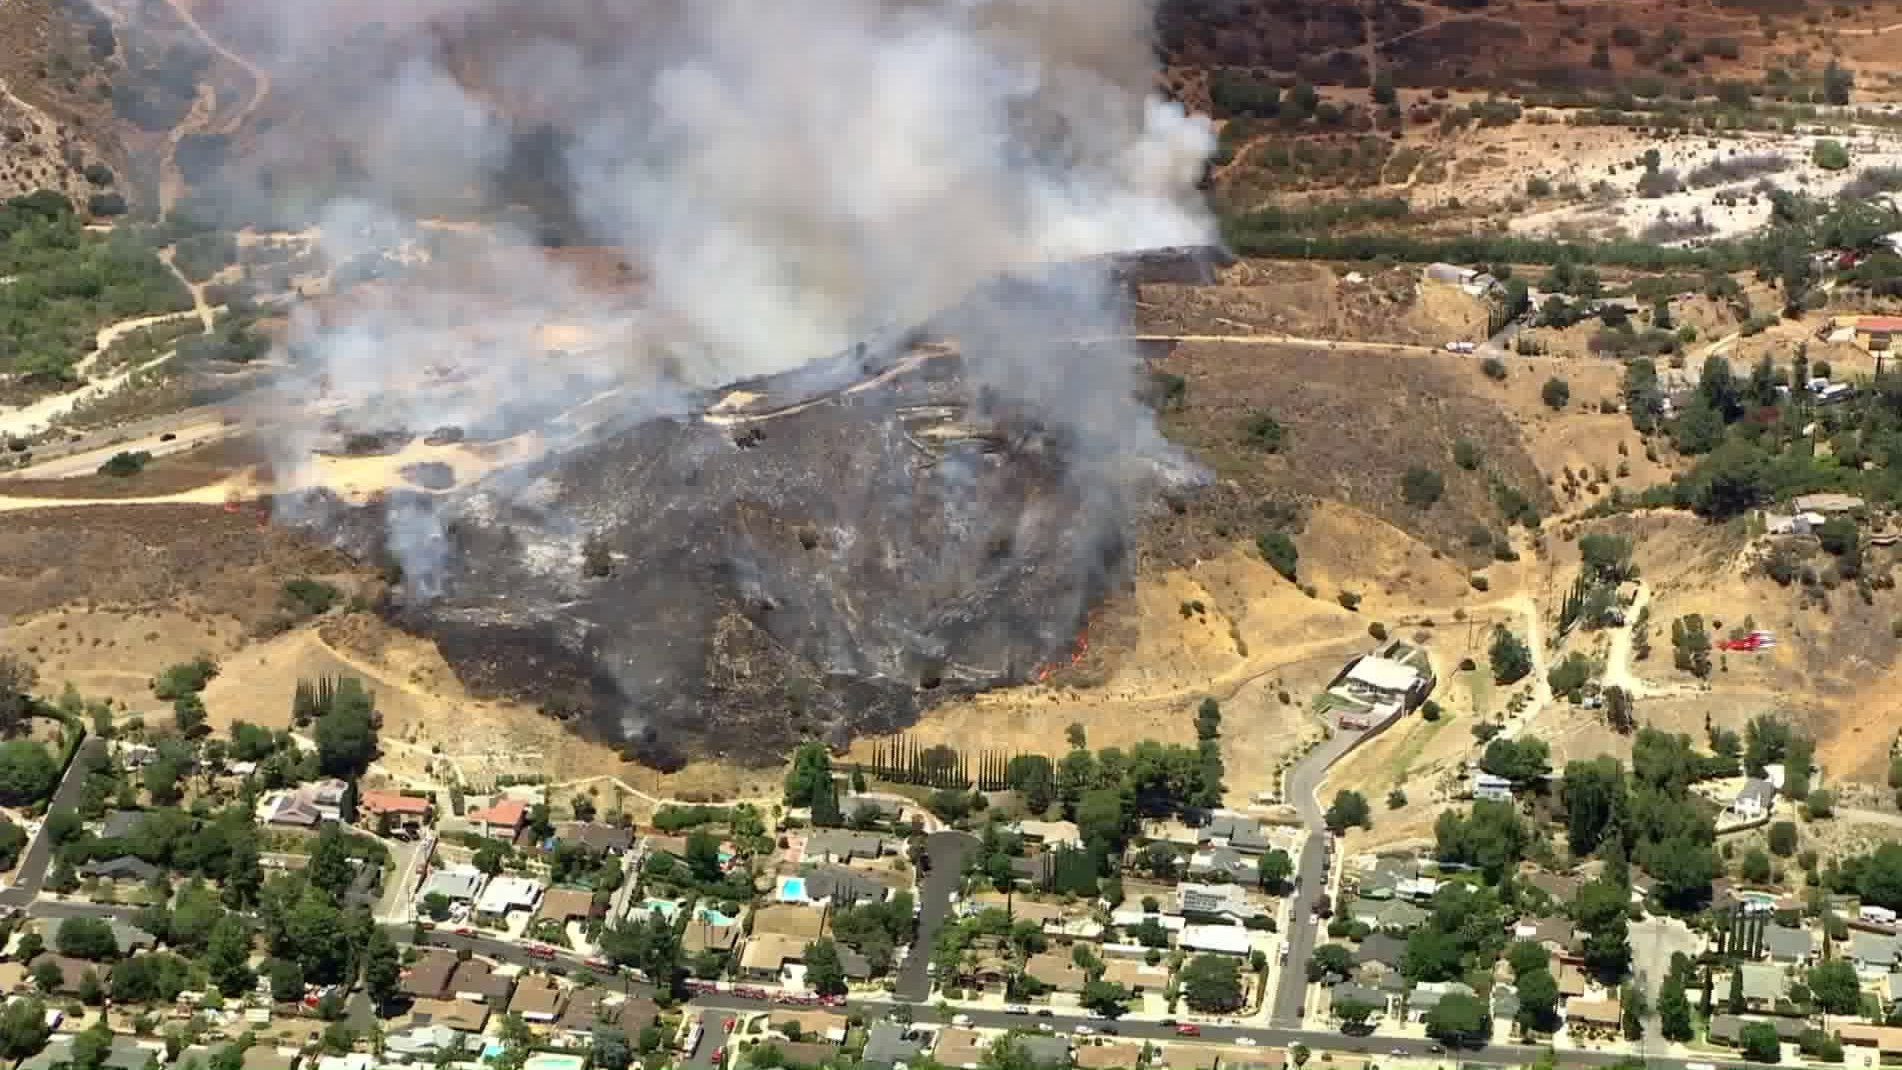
<point x="314" y="597"/>
<point x="1479" y="582"/>
<point x="1378" y="631"/>
<point x="1556" y="393"/>
<point x="1830" y="155"/>
<point x="1466" y="454"/>
<point x="1421" y="487"/>
<point x="125" y="464"/>
<point x="1538" y="186"/>
<point x="1279" y="551"/>
<point x="1264" y="432"/>
<point x="1494" y="368"/>
<point x="1430" y="710"/>
<point x="1349" y="601"/>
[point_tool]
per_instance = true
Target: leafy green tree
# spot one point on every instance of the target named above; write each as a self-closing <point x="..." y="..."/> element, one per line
<point x="1538" y="999"/>
<point x="1520" y="761"/>
<point x="1274" y="868"/>
<point x="824" y="972"/>
<point x="609" y="1050"/>
<point x="1330" y="960"/>
<point x="382" y="970"/>
<point x="87" y="938"/>
<point x="1511" y="659"/>
<point x="329" y="867"/>
<point x="1674" y="1010"/>
<point x="1212" y="984"/>
<point x="27" y="772"/>
<point x="23" y="1028"/>
<point x="227" y="957"/>
<point x="1783" y="839"/>
<point x="811" y="774"/>
<point x="1556" y="393"/>
<point x="346" y="732"/>
<point x="1835" y="987"/>
<point x="1105" y="997"/>
<point x="1353" y="1014"/>
<point x="1594" y="793"/>
<point x="1759" y="1043"/>
<point x="1099" y="817"/>
<point x="1421" y="487"/>
<point x="491" y="857"/>
<point x="1459" y="1020"/>
<point x="1735" y="1000"/>
<point x="1602" y="912"/>
<point x="1837" y="83"/>
<point x="1756" y="865"/>
<point x="1349" y="810"/>
<point x="1490" y="836"/>
<point x="703" y="856"/>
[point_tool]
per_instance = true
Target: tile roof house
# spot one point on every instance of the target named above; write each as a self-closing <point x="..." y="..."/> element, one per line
<point x="428" y="977"/>
<point x="122" y="868"/>
<point x="596" y="837"/>
<point x="1046" y="1050"/>
<point x="537" y="999"/>
<point x="1427" y="995"/>
<point x="502" y="819"/>
<point x="888" y="1044"/>
<point x="1555" y="934"/>
<point x="958" y="1047"/>
<point x="702" y="935"/>
<point x="840" y="845"/>
<point x="72" y="971"/>
<point x="1886" y="1039"/>
<point x="1786" y="944"/>
<point x="470" y="1017"/>
<point x="1351" y="992"/>
<point x="407" y="809"/>
<point x="1381" y="948"/>
<point x="1058" y="970"/>
<point x="1728" y="1028"/>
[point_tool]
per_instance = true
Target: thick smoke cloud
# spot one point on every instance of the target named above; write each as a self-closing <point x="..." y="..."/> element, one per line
<point x="787" y="178"/>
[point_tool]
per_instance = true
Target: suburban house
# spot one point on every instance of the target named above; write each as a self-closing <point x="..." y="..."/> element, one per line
<point x="307" y="806"/>
<point x="854" y="804"/>
<point x="1384" y="682"/>
<point x="1873" y="953"/>
<point x="1828" y="504"/>
<point x="72" y="972"/>
<point x="1728" y="1028"/>
<point x="840" y="845"/>
<point x="702" y="935"/>
<point x="1045" y="1050"/>
<point x="790" y="919"/>
<point x="1228" y="901"/>
<point x="766" y="955"/>
<point x="1562" y="888"/>
<point x="1379" y="949"/>
<point x="1058" y="970"/>
<point x="1225" y="862"/>
<point x="425" y="1042"/>
<point x="1886" y="1039"/>
<point x="1428" y="994"/>
<point x="596" y="837"/>
<point x="478" y="982"/>
<point x="428" y="977"/>
<point x="537" y="1000"/>
<point x="564" y="905"/>
<point x="127" y="936"/>
<point x="1787" y="945"/>
<point x="122" y="868"/>
<point x="1135" y="975"/>
<point x="990" y="973"/>
<point x="458" y="884"/>
<point x="1791" y="523"/>
<point x="1049" y="833"/>
<point x="1388" y="915"/>
<point x="407" y="811"/>
<point x="1491" y="788"/>
<point x="1753" y="800"/>
<point x="506" y="894"/>
<point x="1036" y="870"/>
<point x="1596" y="1014"/>
<point x="888" y="1045"/>
<point x="841" y="886"/>
<point x="502" y="819"/>
<point x="1383" y="1003"/>
<point x="1555" y="934"/>
<point x="1763" y="984"/>
<point x="1216" y="939"/>
<point x="1225" y="828"/>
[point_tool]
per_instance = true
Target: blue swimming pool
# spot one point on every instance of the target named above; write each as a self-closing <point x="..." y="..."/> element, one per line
<point x="666" y="908"/>
<point x="711" y="916"/>
<point x="792" y="889"/>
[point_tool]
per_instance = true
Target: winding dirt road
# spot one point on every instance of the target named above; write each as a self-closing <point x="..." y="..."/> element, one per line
<point x="171" y="182"/>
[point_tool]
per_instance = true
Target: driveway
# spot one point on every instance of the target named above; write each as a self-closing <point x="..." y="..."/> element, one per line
<point x="28" y="879"/>
<point x="1303" y="781"/>
<point x="947" y="851"/>
<point x="1652" y="942"/>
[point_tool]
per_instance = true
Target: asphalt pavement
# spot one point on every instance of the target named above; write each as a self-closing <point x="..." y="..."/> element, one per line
<point x="1303" y="781"/>
<point x="946" y="851"/>
<point x="30" y="877"/>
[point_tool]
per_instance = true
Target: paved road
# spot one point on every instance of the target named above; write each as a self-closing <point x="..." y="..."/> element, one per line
<point x="31" y="875"/>
<point x="947" y="851"/>
<point x="1303" y="781"/>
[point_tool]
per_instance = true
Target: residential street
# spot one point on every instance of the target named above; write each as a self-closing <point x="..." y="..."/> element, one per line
<point x="31" y="875"/>
<point x="1303" y="781"/>
<point x="947" y="851"/>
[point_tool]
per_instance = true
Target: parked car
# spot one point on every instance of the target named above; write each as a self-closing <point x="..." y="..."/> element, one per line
<point x="1043" y="1027"/>
<point x="1043" y="1012"/>
<point x="1017" y="1008"/>
<point x="960" y="1019"/>
<point x="1110" y="1030"/>
<point x="1083" y="1030"/>
<point x="1246" y="1042"/>
<point x="1188" y="1029"/>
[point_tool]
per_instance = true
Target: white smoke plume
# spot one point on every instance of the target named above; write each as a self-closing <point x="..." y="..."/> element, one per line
<point x="787" y="177"/>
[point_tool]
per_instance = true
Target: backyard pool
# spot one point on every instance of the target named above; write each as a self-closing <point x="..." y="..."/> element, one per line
<point x="711" y="916"/>
<point x="666" y="908"/>
<point x="549" y="1061"/>
<point x="792" y="889"/>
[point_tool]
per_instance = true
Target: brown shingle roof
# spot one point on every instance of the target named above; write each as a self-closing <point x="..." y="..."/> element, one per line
<point x="590" y="1005"/>
<point x="537" y="998"/>
<point x="73" y="971"/>
<point x="564" y="903"/>
<point x="1058" y="970"/>
<point x="429" y="977"/>
<point x="478" y="976"/>
<point x="454" y="1013"/>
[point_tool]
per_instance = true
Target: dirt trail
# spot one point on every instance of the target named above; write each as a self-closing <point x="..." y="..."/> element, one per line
<point x="204" y="311"/>
<point x="214" y="494"/>
<point x="205" y="106"/>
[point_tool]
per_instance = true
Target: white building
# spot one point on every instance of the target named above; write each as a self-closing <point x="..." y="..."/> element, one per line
<point x="1216" y="939"/>
<point x="458" y="884"/>
<point x="1493" y="788"/>
<point x="507" y="894"/>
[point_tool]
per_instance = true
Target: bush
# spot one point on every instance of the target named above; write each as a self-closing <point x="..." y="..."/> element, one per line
<point x="1421" y="487"/>
<point x="1430" y="710"/>
<point x="313" y="597"/>
<point x="125" y="464"/>
<point x="1830" y="155"/>
<point x="1466" y="454"/>
<point x="1479" y="582"/>
<point x="1264" y="432"/>
<point x="100" y="205"/>
<point x="1783" y="839"/>
<point x="1494" y="368"/>
<point x="1279" y="551"/>
<point x="1349" y="601"/>
<point x="1556" y="393"/>
<point x="1378" y="631"/>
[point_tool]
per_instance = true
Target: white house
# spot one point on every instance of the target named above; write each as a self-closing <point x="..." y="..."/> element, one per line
<point x="1216" y="939"/>
<point x="1754" y="800"/>
<point x="1490" y="787"/>
<point x="505" y="895"/>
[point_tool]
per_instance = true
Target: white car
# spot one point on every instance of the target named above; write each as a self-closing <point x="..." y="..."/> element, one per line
<point x="1459" y="347"/>
<point x="960" y="1019"/>
<point x="1043" y="1027"/>
<point x="1017" y="1008"/>
<point x="1246" y="1042"/>
<point x="1083" y="1031"/>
